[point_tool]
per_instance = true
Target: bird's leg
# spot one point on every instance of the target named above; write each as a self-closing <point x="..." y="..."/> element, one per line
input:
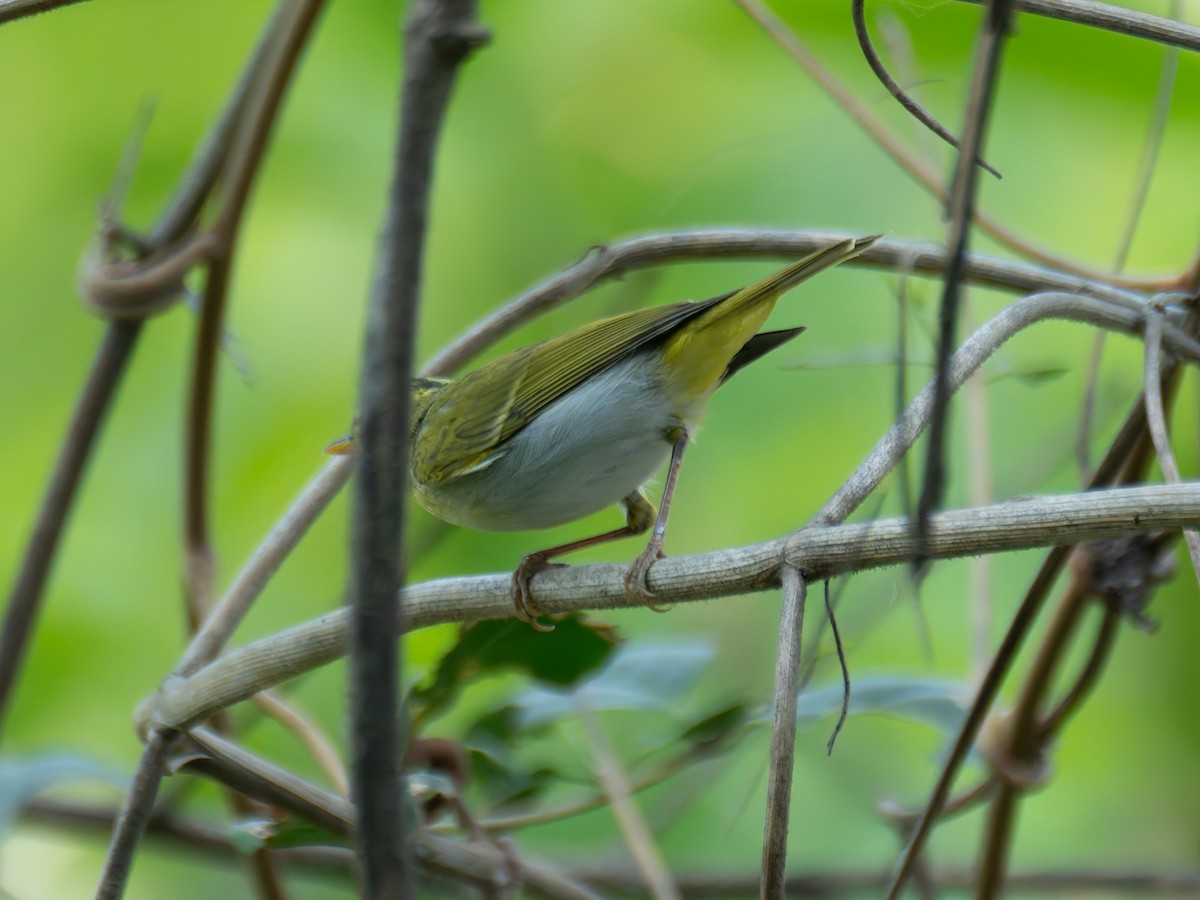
<point x="637" y="578"/>
<point x="639" y="516"/>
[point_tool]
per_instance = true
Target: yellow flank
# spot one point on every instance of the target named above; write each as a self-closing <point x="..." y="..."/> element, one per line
<point x="698" y="354"/>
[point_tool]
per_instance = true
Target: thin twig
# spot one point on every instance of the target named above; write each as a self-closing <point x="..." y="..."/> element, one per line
<point x="859" y="881"/>
<point x="478" y="863"/>
<point x="11" y="10"/>
<point x="841" y="656"/>
<point x="822" y="551"/>
<point x="924" y="175"/>
<point x="989" y="687"/>
<point x="1102" y="646"/>
<point x="1021" y="749"/>
<point x="439" y="36"/>
<point x="632" y="254"/>
<point x="247" y="148"/>
<point x="1118" y="19"/>
<point x="265" y="561"/>
<point x="619" y="792"/>
<point x="135" y="813"/>
<point x="782" y="758"/>
<point x="1156" y="420"/>
<point x="1141" y="191"/>
<point x="858" y="14"/>
<point x="986" y="340"/>
<point x="318" y="744"/>
<point x="276" y="53"/>
<point x="961" y="209"/>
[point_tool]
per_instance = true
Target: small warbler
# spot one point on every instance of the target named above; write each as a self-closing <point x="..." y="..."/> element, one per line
<point x="562" y="428"/>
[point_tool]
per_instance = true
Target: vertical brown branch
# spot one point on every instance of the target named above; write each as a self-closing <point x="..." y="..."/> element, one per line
<point x="243" y="165"/>
<point x="961" y="210"/>
<point x="439" y="35"/>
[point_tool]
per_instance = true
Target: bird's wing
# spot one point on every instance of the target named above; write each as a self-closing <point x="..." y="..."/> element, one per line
<point x="485" y="408"/>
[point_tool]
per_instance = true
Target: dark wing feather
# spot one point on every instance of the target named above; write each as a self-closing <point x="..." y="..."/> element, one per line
<point x="757" y="347"/>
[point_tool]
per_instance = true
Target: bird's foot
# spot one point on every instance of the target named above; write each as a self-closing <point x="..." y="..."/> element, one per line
<point x="637" y="579"/>
<point x="523" y="592"/>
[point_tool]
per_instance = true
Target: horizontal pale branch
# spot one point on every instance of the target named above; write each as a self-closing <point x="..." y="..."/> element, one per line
<point x="820" y="552"/>
<point x="1114" y="18"/>
<point x="715" y="245"/>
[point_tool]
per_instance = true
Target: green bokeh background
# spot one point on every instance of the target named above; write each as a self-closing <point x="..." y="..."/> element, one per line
<point x="582" y="122"/>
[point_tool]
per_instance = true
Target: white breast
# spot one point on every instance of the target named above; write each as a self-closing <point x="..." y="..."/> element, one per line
<point x="585" y="451"/>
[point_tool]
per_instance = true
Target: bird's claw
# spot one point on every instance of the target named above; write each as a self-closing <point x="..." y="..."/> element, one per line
<point x="523" y="592"/>
<point x="637" y="579"/>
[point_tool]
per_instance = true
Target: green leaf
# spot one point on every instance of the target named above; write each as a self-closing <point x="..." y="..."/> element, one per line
<point x="645" y="677"/>
<point x="490" y="741"/>
<point x="937" y="703"/>
<point x="503" y="782"/>
<point x="716" y="729"/>
<point x="574" y="649"/>
<point x="252" y="835"/>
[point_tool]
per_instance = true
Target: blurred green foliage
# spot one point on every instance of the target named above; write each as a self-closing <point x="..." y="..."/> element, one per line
<point x="580" y="124"/>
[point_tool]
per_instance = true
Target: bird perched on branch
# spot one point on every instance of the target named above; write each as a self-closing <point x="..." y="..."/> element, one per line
<point x="562" y="428"/>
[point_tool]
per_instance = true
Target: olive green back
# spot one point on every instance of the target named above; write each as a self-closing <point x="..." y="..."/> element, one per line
<point x="476" y="414"/>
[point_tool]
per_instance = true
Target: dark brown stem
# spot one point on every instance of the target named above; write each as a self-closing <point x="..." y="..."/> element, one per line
<point x="1017" y="630"/>
<point x="1102" y="646"/>
<point x="918" y="112"/>
<point x="961" y="208"/>
<point x="1123" y="449"/>
<point x="438" y="38"/>
<point x="243" y="165"/>
<point x="1021" y="749"/>
<point x="135" y="814"/>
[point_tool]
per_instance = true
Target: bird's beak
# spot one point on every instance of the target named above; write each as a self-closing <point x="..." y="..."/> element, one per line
<point x="343" y="446"/>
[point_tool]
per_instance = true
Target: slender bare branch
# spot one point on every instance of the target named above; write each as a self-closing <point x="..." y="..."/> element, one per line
<point x="619" y="793"/>
<point x="135" y="814"/>
<point x="256" y="97"/>
<point x="858" y="14"/>
<point x="783" y="734"/>
<point x="918" y="170"/>
<point x="821" y="551"/>
<point x="265" y="561"/>
<point x="1113" y="18"/>
<point x="961" y="209"/>
<point x="859" y="881"/>
<point x="11" y="10"/>
<point x="290" y="30"/>
<point x="632" y="254"/>
<point x="477" y="863"/>
<point x="1156" y="420"/>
